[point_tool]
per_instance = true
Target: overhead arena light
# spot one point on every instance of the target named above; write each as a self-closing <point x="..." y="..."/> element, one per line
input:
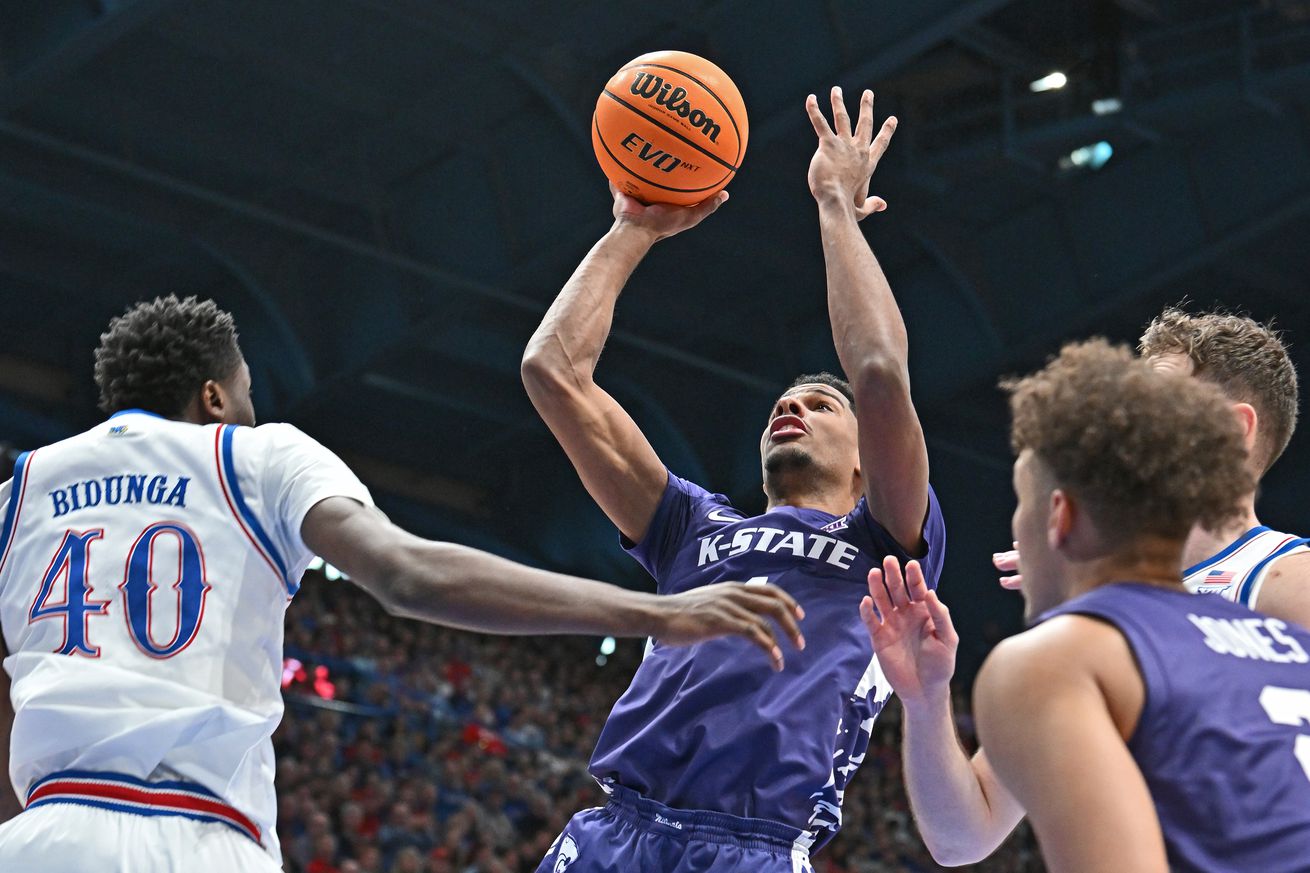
<point x="1054" y="82"/>
<point x="1107" y="106"/>
<point x="1089" y="157"/>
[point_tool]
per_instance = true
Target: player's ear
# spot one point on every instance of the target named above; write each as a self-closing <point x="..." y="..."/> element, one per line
<point x="1250" y="421"/>
<point x="1059" y="520"/>
<point x="213" y="401"/>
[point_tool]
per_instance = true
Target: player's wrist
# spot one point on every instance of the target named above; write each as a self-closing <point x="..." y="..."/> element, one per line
<point x="834" y="197"/>
<point x="929" y="701"/>
<point x="640" y="615"/>
<point x="634" y="233"/>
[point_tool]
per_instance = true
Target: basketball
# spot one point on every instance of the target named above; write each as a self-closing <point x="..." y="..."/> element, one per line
<point x="670" y="127"/>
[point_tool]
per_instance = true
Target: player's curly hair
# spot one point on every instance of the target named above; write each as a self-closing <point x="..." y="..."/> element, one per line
<point x="1246" y="359"/>
<point x="159" y="353"/>
<point x="1146" y="452"/>
<point x="826" y="378"/>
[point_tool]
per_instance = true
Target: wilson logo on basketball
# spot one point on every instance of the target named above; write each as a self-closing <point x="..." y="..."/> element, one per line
<point x="649" y="85"/>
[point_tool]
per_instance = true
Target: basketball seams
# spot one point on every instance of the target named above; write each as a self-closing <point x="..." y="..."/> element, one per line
<point x="655" y="121"/>
<point x="708" y="90"/>
<point x="600" y="138"/>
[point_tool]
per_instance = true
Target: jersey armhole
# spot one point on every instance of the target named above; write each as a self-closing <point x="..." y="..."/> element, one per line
<point x="1150" y="667"/>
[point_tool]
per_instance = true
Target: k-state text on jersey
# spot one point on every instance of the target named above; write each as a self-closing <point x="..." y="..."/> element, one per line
<point x="125" y="488"/>
<point x="766" y="539"/>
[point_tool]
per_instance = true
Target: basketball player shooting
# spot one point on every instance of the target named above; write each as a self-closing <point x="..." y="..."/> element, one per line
<point x="708" y="764"/>
<point x="145" y="568"/>
<point x="1245" y="561"/>
<point x="1143" y="728"/>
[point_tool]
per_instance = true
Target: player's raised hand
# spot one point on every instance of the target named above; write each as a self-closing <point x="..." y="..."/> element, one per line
<point x="661" y="219"/>
<point x="845" y="160"/>
<point x="731" y="608"/>
<point x="910" y="629"/>
<point x="1008" y="562"/>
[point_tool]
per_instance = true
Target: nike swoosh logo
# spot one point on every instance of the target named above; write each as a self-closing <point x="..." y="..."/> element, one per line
<point x="718" y="515"/>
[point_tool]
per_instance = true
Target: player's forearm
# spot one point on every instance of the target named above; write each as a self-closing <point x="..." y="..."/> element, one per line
<point x="466" y="588"/>
<point x="867" y="327"/>
<point x="569" y="340"/>
<point x="947" y="795"/>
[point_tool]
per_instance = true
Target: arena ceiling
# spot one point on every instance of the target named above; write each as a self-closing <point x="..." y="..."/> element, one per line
<point x="388" y="193"/>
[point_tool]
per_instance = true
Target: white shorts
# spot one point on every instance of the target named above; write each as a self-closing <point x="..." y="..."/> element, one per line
<point x="69" y="838"/>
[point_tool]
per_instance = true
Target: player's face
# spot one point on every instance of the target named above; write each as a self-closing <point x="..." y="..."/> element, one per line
<point x="238" y="408"/>
<point x="811" y="425"/>
<point x="1038" y="563"/>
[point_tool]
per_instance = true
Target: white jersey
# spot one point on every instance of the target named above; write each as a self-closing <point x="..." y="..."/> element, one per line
<point x="1239" y="569"/>
<point x="145" y="569"/>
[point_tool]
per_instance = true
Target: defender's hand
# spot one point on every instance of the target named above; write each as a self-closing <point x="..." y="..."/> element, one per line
<point x="1008" y="562"/>
<point x="845" y="160"/>
<point x="662" y="220"/>
<point x="728" y="608"/>
<point x="910" y="629"/>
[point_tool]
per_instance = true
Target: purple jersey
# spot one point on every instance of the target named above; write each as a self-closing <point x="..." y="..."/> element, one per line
<point x="711" y="726"/>
<point x="1224" y="736"/>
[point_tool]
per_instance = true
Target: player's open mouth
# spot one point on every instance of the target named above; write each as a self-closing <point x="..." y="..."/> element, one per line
<point x="787" y="427"/>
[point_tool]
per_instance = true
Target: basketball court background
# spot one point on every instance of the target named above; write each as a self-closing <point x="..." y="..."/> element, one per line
<point x="388" y="194"/>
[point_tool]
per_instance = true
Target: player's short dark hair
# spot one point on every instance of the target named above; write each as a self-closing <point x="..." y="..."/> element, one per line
<point x="826" y="378"/>
<point x="1146" y="452"/>
<point x="159" y="353"/>
<point x="1246" y="359"/>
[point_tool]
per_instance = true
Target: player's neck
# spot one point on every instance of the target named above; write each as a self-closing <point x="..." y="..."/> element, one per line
<point x="831" y="501"/>
<point x="1151" y="560"/>
<point x="1202" y="543"/>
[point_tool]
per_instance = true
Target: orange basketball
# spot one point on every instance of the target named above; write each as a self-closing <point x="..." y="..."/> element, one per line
<point x="670" y="127"/>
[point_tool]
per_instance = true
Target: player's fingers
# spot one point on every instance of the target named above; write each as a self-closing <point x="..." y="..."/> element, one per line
<point x="709" y="206"/>
<point x="869" y="207"/>
<point x="941" y="619"/>
<point x="878" y="593"/>
<point x="894" y="582"/>
<point x="1013" y="583"/>
<point x="760" y="632"/>
<point x="841" y="119"/>
<point x="869" y="615"/>
<point x="915" y="585"/>
<point x="883" y="139"/>
<point x="816" y="117"/>
<point x="778" y="605"/>
<point x="864" y="125"/>
<point x="1006" y="561"/>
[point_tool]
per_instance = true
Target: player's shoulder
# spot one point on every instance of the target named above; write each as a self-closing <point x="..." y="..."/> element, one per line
<point x="1071" y="657"/>
<point x="1059" y="650"/>
<point x="1285" y="591"/>
<point x="273" y="435"/>
<point x="717" y="504"/>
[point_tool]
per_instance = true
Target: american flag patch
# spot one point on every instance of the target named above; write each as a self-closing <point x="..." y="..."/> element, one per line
<point x="1218" y="577"/>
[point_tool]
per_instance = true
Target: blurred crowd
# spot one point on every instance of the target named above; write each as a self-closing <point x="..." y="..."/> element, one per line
<point x="413" y="749"/>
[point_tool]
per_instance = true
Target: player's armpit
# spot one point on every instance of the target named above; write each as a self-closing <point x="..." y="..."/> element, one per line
<point x="9" y="803"/>
<point x="1048" y="720"/>
<point x="1285" y="592"/>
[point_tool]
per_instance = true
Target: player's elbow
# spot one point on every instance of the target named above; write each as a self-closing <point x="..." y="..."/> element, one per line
<point x="876" y="374"/>
<point x="955" y="853"/>
<point x="551" y="380"/>
<point x="400" y="582"/>
<point x="545" y="370"/>
<point x="879" y="382"/>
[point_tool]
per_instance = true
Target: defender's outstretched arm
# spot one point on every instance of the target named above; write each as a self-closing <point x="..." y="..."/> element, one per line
<point x="462" y="587"/>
